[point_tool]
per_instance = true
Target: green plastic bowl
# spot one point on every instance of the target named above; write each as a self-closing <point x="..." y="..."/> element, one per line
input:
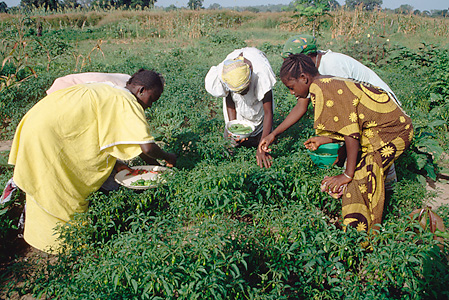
<point x="325" y="155"/>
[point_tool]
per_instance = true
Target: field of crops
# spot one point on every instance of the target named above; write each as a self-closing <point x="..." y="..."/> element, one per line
<point x="221" y="227"/>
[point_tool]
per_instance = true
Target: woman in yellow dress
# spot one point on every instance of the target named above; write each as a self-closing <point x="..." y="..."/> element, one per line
<point x="374" y="128"/>
<point x="66" y="146"/>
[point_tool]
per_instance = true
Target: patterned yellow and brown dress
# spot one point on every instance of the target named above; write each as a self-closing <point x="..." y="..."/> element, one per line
<point x="344" y="107"/>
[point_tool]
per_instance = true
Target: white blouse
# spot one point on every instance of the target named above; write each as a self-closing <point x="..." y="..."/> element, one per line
<point x="341" y="65"/>
<point x="248" y="107"/>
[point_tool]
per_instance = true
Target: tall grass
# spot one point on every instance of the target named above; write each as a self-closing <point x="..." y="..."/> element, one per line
<point x="348" y="24"/>
<point x="342" y="23"/>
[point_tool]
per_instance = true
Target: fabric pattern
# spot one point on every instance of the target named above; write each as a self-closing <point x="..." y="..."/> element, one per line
<point x="349" y="108"/>
<point x="8" y="192"/>
<point x="236" y="74"/>
<point x="302" y="43"/>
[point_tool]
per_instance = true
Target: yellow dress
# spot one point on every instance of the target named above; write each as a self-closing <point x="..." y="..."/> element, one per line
<point x="66" y="146"/>
<point x="343" y="107"/>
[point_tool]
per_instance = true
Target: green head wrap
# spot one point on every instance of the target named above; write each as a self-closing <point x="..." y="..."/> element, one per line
<point x="302" y="43"/>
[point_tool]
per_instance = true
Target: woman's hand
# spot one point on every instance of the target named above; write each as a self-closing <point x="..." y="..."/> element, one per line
<point x="314" y="142"/>
<point x="265" y="142"/>
<point x="171" y="160"/>
<point x="263" y="158"/>
<point x="341" y="157"/>
<point x="119" y="166"/>
<point x="335" y="184"/>
<point x="236" y="140"/>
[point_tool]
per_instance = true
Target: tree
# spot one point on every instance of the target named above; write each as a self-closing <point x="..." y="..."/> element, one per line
<point x="404" y="9"/>
<point x="172" y="7"/>
<point x="3" y="7"/>
<point x="367" y="4"/>
<point x="47" y="4"/>
<point x="70" y="3"/>
<point x="313" y="10"/>
<point x="195" y="4"/>
<point x="125" y="3"/>
<point x="440" y="13"/>
<point x="215" y="6"/>
<point x="333" y="4"/>
<point x="251" y="9"/>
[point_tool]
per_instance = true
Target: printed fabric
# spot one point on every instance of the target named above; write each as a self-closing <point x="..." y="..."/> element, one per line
<point x="344" y="107"/>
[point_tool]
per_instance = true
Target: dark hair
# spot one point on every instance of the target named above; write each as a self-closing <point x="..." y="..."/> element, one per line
<point x="149" y="79"/>
<point x="296" y="64"/>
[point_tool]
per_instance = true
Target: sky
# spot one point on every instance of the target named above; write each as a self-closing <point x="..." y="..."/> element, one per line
<point x="417" y="4"/>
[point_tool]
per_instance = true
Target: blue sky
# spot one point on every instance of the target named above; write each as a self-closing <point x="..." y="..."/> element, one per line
<point x="417" y="4"/>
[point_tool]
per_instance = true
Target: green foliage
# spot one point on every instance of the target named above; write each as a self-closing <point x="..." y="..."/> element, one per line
<point x="126" y="4"/>
<point x="3" y="7"/>
<point x="46" y="4"/>
<point x="432" y="112"/>
<point x="404" y="9"/>
<point x="270" y="252"/>
<point x="14" y="54"/>
<point x="443" y="212"/>
<point x="313" y="10"/>
<point x="222" y="228"/>
<point x="228" y="38"/>
<point x="366" y="4"/>
<point x="9" y="216"/>
<point x="195" y="4"/>
<point x="271" y="49"/>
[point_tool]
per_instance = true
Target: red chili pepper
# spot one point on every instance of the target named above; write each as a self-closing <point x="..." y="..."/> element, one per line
<point x="137" y="172"/>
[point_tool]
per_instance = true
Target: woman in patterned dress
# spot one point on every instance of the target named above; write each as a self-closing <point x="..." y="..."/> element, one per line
<point x="374" y="128"/>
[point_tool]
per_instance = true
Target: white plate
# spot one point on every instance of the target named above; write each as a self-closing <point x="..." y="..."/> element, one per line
<point x="237" y="135"/>
<point x="154" y="172"/>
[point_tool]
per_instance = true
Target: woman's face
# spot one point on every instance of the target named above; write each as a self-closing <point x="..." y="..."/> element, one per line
<point x="299" y="87"/>
<point x="148" y="97"/>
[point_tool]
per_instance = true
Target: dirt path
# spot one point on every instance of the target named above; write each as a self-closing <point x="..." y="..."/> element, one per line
<point x="441" y="188"/>
<point x="5" y="145"/>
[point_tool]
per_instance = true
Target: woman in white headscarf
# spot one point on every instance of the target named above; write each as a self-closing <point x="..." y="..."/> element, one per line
<point x="245" y="80"/>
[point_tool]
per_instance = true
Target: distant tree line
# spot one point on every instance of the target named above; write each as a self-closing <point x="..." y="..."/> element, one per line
<point x="407" y="9"/>
<point x="3" y="7"/>
<point x="54" y="4"/>
<point x="308" y="8"/>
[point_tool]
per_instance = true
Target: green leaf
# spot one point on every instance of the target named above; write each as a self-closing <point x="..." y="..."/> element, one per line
<point x="421" y="179"/>
<point x="236" y="269"/>
<point x="135" y="285"/>
<point x="443" y="234"/>
<point x="437" y="123"/>
<point x="421" y="161"/>
<point x="430" y="169"/>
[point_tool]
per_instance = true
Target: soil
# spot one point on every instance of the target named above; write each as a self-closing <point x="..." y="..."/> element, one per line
<point x="441" y="189"/>
<point x="5" y="145"/>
